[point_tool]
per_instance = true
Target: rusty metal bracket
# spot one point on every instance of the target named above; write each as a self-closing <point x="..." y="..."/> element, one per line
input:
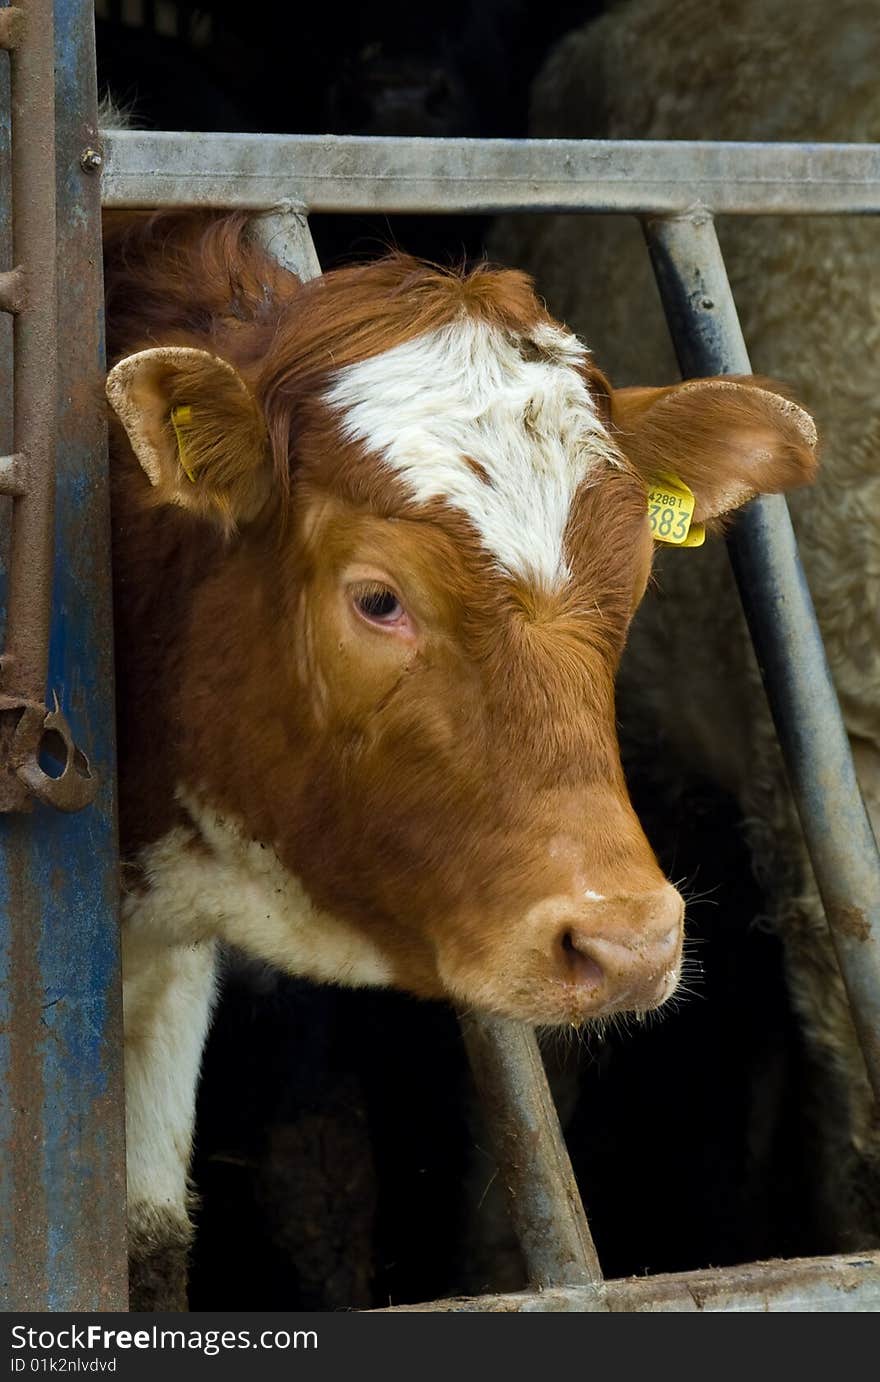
<point x="41" y="729"/>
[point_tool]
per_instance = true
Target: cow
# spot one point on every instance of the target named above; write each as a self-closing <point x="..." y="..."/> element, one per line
<point x="808" y="300"/>
<point x="378" y="539"/>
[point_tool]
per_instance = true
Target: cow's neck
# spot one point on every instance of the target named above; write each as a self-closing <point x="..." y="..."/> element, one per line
<point x="205" y="879"/>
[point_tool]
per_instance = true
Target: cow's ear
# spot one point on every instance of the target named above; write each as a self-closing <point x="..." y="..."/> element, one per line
<point x="729" y="439"/>
<point x="196" y="429"/>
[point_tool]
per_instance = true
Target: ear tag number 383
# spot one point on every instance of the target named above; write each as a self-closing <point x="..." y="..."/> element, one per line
<point x="670" y="511"/>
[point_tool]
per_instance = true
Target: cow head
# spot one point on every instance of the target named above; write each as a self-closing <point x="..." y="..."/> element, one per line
<point x="398" y="670"/>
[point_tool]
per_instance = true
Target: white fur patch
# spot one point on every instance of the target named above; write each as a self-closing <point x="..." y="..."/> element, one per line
<point x="235" y="890"/>
<point x="465" y="392"/>
<point x="168" y="995"/>
<point x="239" y="892"/>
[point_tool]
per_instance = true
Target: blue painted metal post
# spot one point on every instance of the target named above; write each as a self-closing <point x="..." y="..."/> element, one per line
<point x="62" y="1205"/>
<point x="705" y="329"/>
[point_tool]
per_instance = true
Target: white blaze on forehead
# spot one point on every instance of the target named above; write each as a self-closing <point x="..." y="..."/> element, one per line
<point x="465" y="392"/>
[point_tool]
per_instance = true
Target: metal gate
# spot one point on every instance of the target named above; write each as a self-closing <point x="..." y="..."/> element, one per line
<point x="62" y="1198"/>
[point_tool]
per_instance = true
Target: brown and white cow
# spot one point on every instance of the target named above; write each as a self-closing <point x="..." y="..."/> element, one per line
<point x="378" y="540"/>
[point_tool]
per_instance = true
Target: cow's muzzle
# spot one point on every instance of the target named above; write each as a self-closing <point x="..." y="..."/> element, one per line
<point x="623" y="953"/>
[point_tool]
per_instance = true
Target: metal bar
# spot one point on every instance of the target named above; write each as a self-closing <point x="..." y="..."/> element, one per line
<point x="814" y="1285"/>
<point x="284" y="233"/>
<point x="30" y="291"/>
<point x="708" y="339"/>
<point x="544" y="1202"/>
<point x="23" y="670"/>
<point x="545" y="1206"/>
<point x="346" y="173"/>
<point x="62" y="1181"/>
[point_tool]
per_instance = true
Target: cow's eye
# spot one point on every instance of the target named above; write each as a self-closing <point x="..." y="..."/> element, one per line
<point x="378" y="604"/>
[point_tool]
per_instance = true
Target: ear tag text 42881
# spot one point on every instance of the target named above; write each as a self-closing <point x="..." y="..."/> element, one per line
<point x="671" y="507"/>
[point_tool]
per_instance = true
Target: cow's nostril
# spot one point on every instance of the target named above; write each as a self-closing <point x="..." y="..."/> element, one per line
<point x="580" y="965"/>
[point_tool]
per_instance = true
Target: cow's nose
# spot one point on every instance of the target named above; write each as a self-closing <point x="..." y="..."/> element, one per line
<point x="625" y="952"/>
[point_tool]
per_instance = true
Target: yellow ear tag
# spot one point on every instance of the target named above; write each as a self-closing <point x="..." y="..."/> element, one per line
<point x="670" y="511"/>
<point x="181" y="417"/>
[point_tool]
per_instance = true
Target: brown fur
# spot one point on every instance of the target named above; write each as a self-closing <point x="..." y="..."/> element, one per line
<point x="448" y="795"/>
<point x="768" y="441"/>
<point x="431" y="793"/>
